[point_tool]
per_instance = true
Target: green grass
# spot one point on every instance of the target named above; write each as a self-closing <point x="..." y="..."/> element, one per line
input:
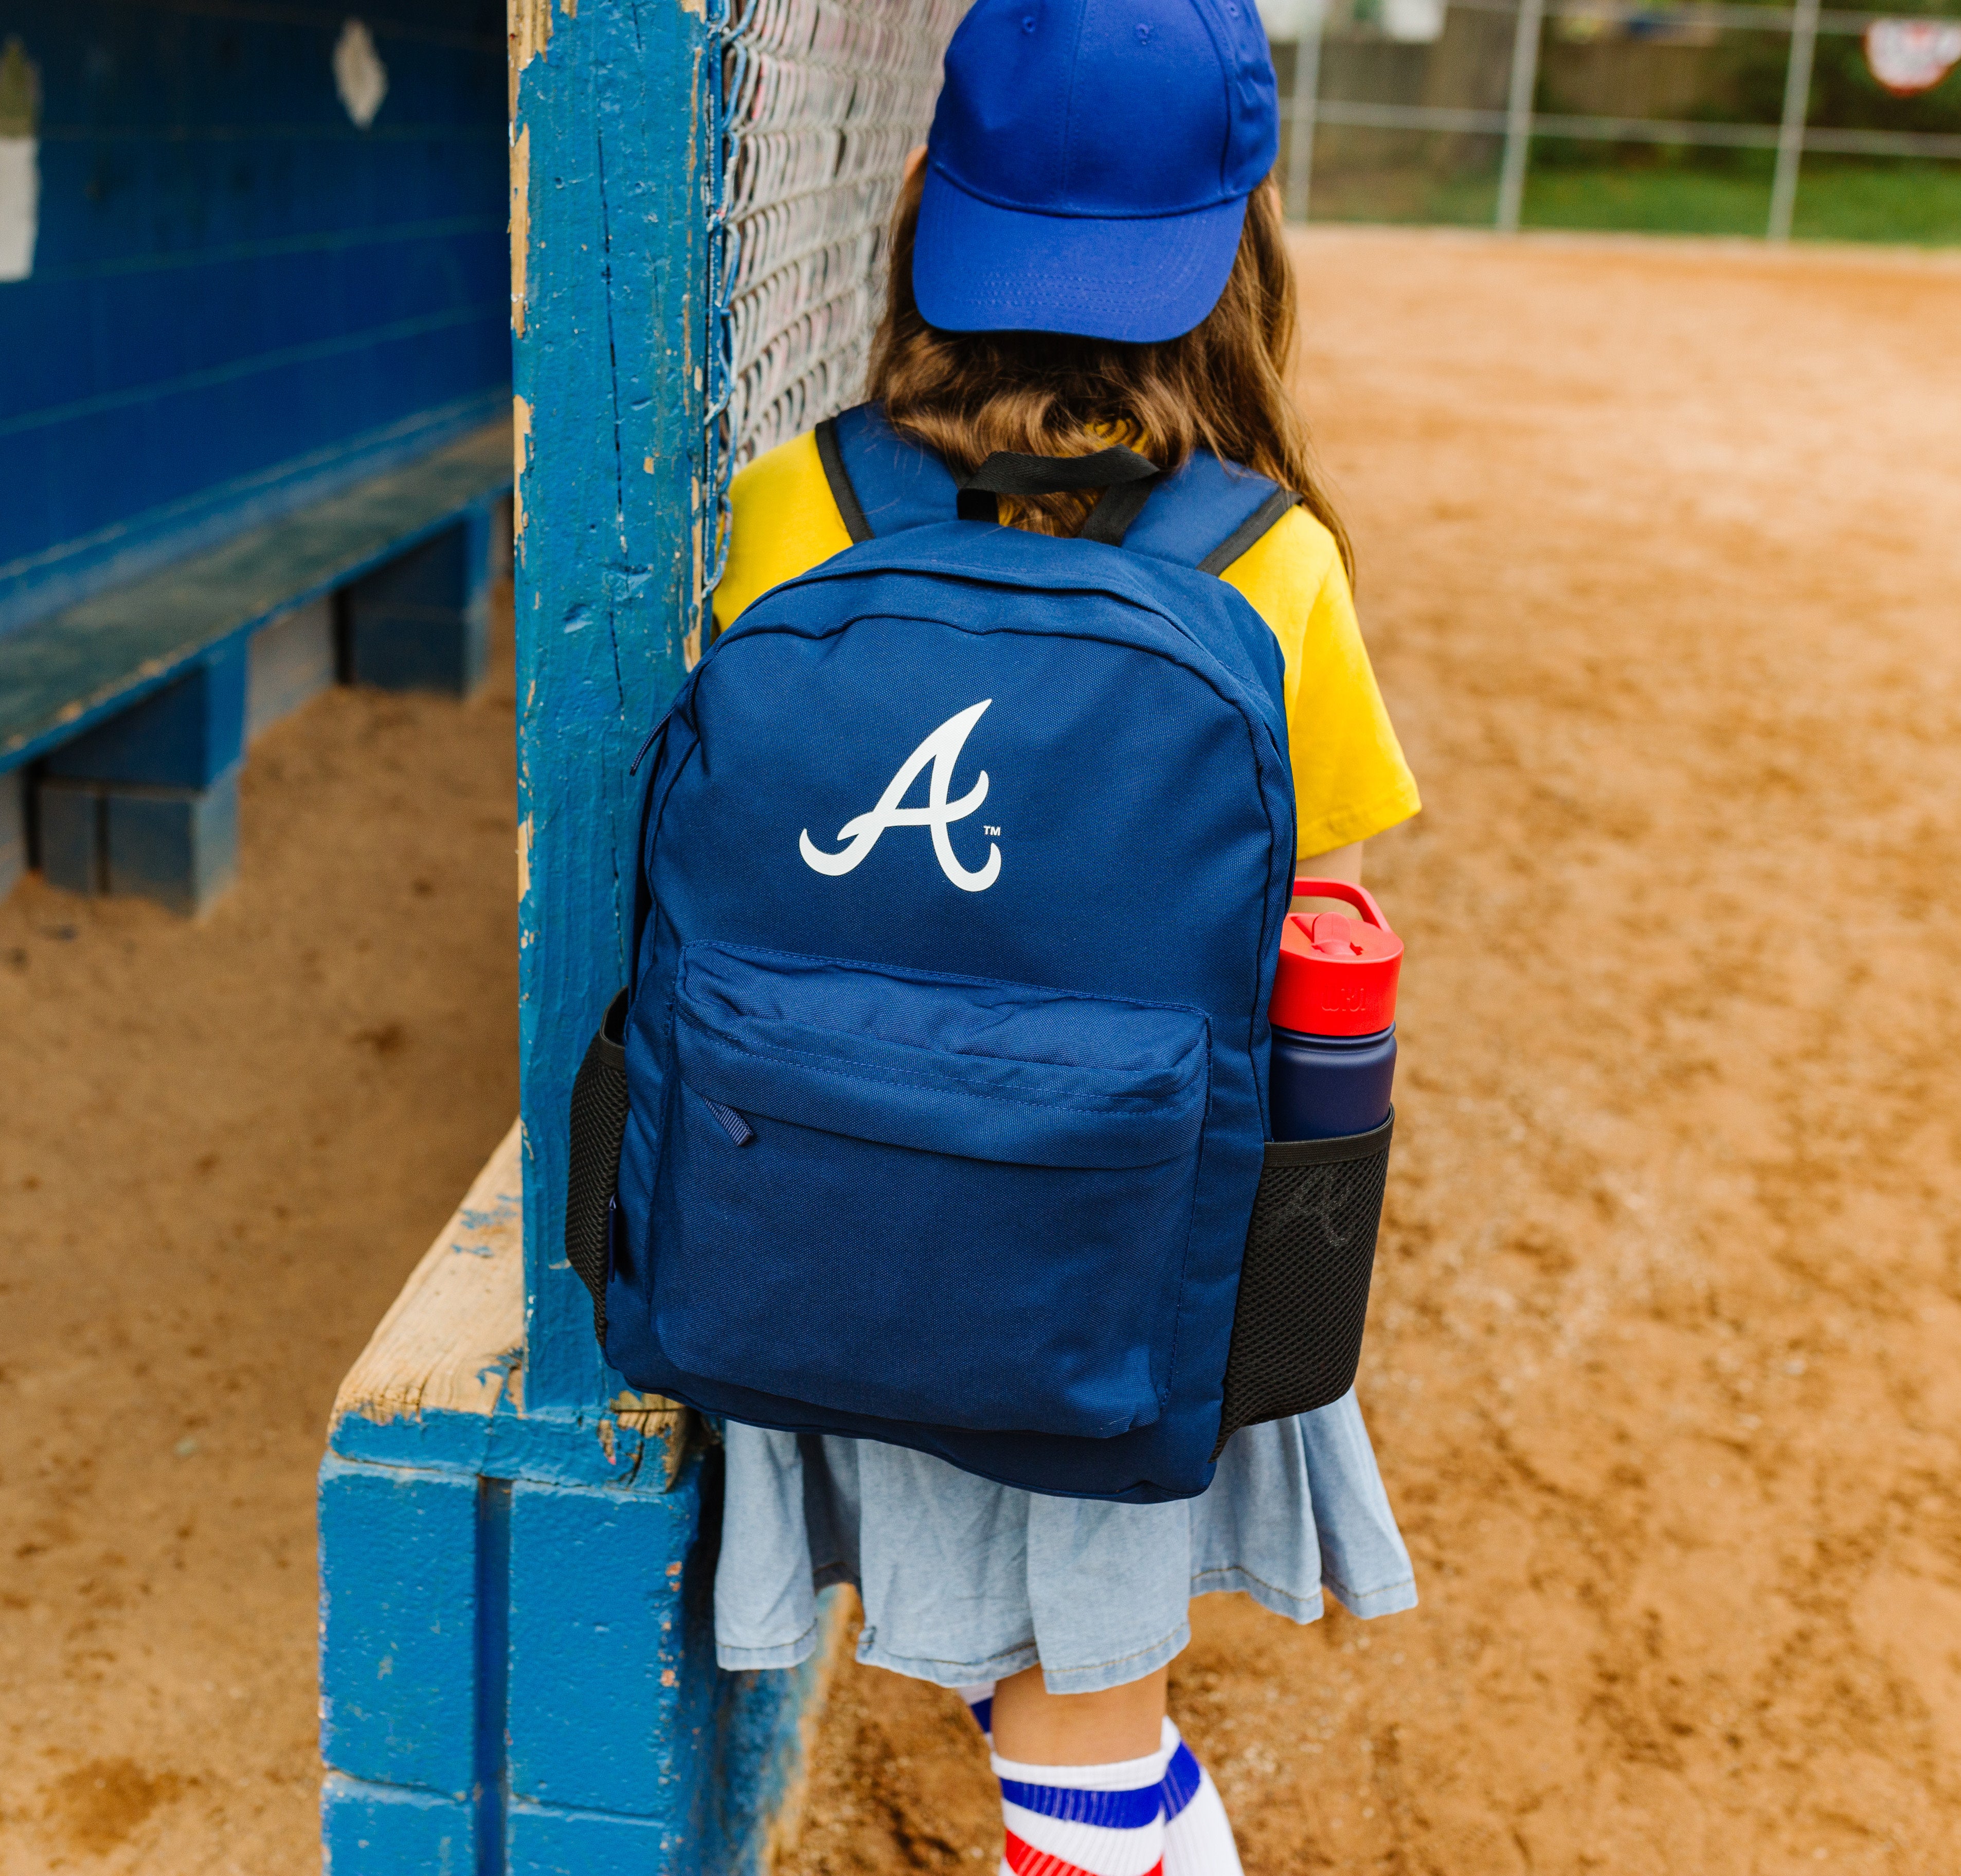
<point x="1841" y="199"/>
<point x="1838" y="198"/>
<point x="1405" y="192"/>
<point x="1661" y="200"/>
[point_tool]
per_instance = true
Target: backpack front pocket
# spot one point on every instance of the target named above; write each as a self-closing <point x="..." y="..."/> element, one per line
<point x="925" y="1198"/>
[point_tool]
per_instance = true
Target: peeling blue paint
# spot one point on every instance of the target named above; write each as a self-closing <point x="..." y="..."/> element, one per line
<point x="481" y="1223"/>
<point x="606" y="367"/>
<point x="517" y="1672"/>
<point x="574" y="1595"/>
<point x="561" y="1447"/>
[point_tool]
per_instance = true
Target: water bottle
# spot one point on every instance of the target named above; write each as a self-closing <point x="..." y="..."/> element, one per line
<point x="1333" y="1016"/>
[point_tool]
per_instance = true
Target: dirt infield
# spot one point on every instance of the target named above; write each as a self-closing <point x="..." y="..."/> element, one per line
<point x="1659" y="549"/>
<point x="224" y="1146"/>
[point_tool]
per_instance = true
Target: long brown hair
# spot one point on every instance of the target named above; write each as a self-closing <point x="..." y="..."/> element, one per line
<point x="1223" y="385"/>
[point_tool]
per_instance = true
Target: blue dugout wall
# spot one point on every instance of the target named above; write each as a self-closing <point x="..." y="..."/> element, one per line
<point x="237" y="296"/>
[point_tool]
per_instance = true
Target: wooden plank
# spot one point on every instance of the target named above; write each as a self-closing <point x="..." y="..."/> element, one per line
<point x="610" y="141"/>
<point x="453" y="1339"/>
<point x="398" y="1597"/>
<point x="183" y="735"/>
<point x="369" y="1828"/>
<point x="440" y="1380"/>
<point x="63" y="673"/>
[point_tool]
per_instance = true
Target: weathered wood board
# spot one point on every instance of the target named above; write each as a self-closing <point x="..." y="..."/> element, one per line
<point x="61" y="674"/>
<point x="518" y="1664"/>
<point x="610" y="138"/>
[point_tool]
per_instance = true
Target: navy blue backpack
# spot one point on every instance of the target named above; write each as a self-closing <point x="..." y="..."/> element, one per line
<point x="937" y="1100"/>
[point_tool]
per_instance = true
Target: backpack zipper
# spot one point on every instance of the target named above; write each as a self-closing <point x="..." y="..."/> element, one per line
<point x="733" y="1124"/>
<point x="634" y="769"/>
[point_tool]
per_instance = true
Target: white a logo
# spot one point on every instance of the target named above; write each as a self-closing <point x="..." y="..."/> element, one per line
<point x="861" y="832"/>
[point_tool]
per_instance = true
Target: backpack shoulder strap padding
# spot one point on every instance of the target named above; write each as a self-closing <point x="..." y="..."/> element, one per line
<point x="881" y="482"/>
<point x="1253" y="528"/>
<point x="832" y="457"/>
<point x="1207" y="513"/>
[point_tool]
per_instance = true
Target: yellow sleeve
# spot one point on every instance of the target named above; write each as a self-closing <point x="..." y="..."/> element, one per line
<point x="1349" y="779"/>
<point x="782" y="522"/>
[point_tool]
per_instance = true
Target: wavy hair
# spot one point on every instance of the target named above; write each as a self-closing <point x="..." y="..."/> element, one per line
<point x="1221" y="386"/>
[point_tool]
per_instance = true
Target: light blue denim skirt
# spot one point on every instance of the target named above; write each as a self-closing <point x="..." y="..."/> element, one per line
<point x="964" y="1581"/>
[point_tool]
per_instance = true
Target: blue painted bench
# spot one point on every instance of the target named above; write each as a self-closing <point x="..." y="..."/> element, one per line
<point x="124" y="719"/>
<point x="517" y="1654"/>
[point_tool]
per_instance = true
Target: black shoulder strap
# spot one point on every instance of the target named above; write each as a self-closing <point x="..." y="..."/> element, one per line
<point x="1126" y="478"/>
<point x="1252" y="529"/>
<point x="849" y="508"/>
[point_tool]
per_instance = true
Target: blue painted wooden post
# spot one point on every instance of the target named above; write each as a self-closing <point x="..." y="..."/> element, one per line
<point x="518" y="1661"/>
<point x="609" y="144"/>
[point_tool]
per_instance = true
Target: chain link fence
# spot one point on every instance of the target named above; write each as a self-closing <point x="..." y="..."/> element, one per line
<point x="1771" y="119"/>
<point x="818" y="102"/>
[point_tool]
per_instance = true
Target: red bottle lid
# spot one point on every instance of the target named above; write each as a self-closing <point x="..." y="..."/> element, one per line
<point x="1337" y="975"/>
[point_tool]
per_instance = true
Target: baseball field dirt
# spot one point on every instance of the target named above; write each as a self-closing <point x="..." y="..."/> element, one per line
<point x="1659" y="546"/>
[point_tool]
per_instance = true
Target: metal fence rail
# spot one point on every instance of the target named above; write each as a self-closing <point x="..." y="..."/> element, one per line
<point x="1443" y="117"/>
<point x="1305" y="111"/>
<point x="1690" y="14"/>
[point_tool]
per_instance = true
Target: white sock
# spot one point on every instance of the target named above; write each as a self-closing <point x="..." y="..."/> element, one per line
<point x="1083" y="1819"/>
<point x="980" y="1699"/>
<point x="1198" y="1839"/>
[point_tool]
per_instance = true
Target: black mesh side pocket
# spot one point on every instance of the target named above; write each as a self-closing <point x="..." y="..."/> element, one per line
<point x="1304" y="1287"/>
<point x="598" y="1126"/>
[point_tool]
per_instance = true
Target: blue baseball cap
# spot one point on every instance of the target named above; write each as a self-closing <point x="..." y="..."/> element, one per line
<point x="1089" y="164"/>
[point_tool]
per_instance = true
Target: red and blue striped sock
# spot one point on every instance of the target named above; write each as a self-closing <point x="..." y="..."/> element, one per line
<point x="1082" y="1819"/>
<point x="1198" y="1836"/>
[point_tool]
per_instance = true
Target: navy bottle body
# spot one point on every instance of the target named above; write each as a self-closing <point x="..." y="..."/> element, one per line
<point x="1323" y="1087"/>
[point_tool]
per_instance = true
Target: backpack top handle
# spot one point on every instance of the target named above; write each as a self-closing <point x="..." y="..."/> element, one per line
<point x="1126" y="478"/>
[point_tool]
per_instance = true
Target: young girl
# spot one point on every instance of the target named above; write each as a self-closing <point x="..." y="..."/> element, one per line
<point x="1087" y="252"/>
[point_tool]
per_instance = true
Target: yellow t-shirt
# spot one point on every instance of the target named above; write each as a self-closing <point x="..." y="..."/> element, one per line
<point x="1349" y="779"/>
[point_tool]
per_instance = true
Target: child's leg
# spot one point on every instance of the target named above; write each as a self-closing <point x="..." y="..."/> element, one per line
<point x="1082" y="1778"/>
<point x="1198" y="1835"/>
<point x="1040" y="1727"/>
